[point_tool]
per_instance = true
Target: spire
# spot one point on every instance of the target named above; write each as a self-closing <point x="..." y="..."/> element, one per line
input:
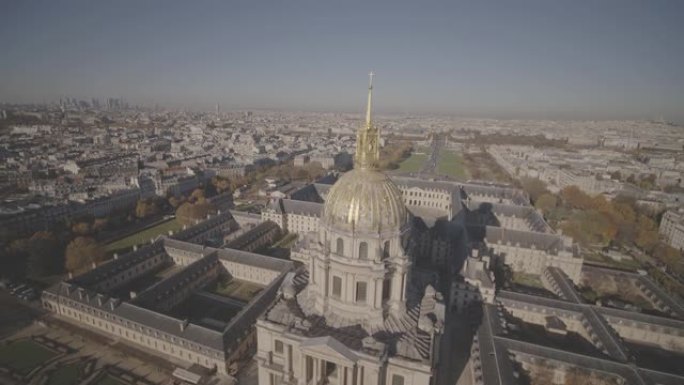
<point x="370" y="99"/>
<point x="367" y="139"/>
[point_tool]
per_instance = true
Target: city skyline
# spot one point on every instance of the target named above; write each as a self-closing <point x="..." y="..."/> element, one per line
<point x="614" y="60"/>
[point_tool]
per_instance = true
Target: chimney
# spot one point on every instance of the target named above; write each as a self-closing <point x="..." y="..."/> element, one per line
<point x="135" y="247"/>
<point x="133" y="294"/>
<point x="116" y="255"/>
<point x="183" y="325"/>
<point x="94" y="264"/>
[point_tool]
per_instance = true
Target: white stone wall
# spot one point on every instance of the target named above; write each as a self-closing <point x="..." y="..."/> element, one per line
<point x="162" y="343"/>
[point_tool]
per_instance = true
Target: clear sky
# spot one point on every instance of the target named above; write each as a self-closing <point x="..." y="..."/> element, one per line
<point x="579" y="59"/>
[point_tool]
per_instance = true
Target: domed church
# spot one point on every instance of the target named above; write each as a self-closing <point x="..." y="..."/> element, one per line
<point x="351" y="313"/>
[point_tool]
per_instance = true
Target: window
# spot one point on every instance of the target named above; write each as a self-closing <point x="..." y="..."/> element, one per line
<point x="361" y="291"/>
<point x="363" y="250"/>
<point x="279" y="346"/>
<point x="337" y="286"/>
<point x="397" y="379"/>
<point x="340" y="246"/>
<point x="386" y="287"/>
<point x="386" y="250"/>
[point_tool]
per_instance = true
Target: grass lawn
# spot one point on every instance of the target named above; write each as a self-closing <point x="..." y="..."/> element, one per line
<point x="414" y="163"/>
<point x="67" y="374"/>
<point x="451" y="163"/>
<point x="287" y="241"/>
<point x="529" y="280"/>
<point x="236" y="288"/>
<point x="600" y="259"/>
<point x="143" y="236"/>
<point x="24" y="355"/>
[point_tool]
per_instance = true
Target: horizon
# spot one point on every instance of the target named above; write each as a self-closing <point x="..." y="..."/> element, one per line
<point x="617" y="60"/>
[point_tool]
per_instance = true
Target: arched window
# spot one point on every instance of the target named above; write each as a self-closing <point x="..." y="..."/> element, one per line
<point x="340" y="246"/>
<point x="363" y="250"/>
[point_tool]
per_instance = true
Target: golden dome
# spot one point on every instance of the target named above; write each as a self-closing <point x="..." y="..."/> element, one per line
<point x="365" y="200"/>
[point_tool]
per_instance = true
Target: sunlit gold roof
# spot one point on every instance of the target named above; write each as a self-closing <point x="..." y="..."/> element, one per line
<point x="365" y="199"/>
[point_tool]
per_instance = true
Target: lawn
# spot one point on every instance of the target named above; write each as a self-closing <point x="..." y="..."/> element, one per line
<point x="451" y="163"/>
<point x="24" y="355"/>
<point x="143" y="236"/>
<point x="236" y="288"/>
<point x="67" y="374"/>
<point x="287" y="241"/>
<point x="414" y="163"/>
<point x="529" y="280"/>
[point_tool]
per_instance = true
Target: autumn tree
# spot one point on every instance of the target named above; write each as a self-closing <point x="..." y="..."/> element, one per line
<point x="100" y="224"/>
<point x="37" y="256"/>
<point x="175" y="202"/>
<point x="188" y="213"/>
<point x="534" y="187"/>
<point x="575" y="198"/>
<point x="546" y="202"/>
<point x="221" y="184"/>
<point x="81" y="227"/>
<point x="81" y="253"/>
<point x="146" y="208"/>
<point x="197" y="195"/>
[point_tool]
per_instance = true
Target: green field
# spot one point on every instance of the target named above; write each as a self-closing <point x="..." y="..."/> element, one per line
<point x="67" y="374"/>
<point x="451" y="163"/>
<point x="24" y="355"/>
<point x="529" y="280"/>
<point x="415" y="162"/>
<point x="236" y="288"/>
<point x="143" y="236"/>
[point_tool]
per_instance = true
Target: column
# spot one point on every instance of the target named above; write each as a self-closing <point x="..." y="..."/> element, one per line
<point x="403" y="286"/>
<point x="316" y="371"/>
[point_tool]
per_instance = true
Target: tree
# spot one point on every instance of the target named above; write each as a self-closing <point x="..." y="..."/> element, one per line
<point x="221" y="184"/>
<point x="38" y="256"/>
<point x="546" y="202"/>
<point x="188" y="212"/>
<point x="647" y="233"/>
<point x="45" y="255"/>
<point x="534" y="187"/>
<point x="616" y="175"/>
<point x="81" y="227"/>
<point x="197" y="195"/>
<point x="100" y="224"/>
<point x="81" y="253"/>
<point x="575" y="198"/>
<point x="146" y="208"/>
<point x="176" y="202"/>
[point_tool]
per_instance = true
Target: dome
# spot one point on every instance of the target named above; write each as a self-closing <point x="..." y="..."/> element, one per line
<point x="365" y="200"/>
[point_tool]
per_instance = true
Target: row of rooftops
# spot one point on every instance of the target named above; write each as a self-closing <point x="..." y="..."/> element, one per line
<point x="494" y="353"/>
<point x="80" y="292"/>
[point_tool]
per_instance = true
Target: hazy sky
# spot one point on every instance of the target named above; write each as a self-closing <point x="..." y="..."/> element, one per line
<point x="546" y="58"/>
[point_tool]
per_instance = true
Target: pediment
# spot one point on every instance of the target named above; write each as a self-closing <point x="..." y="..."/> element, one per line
<point x="329" y="347"/>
